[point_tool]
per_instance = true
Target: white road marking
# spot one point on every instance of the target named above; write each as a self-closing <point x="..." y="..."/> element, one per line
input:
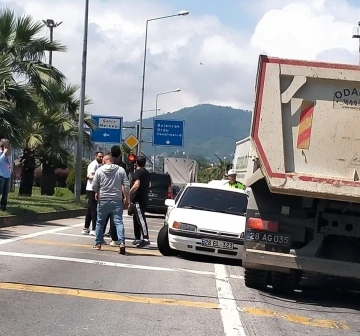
<point x="88" y="236"/>
<point x="40" y="233"/>
<point x="102" y="263"/>
<point x="233" y="276"/>
<point x="229" y="313"/>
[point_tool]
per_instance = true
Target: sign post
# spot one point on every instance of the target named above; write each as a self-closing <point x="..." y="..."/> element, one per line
<point x="168" y="133"/>
<point x="108" y="129"/>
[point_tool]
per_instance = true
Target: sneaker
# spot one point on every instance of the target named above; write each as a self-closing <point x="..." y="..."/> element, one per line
<point x="114" y="243"/>
<point x="136" y="242"/>
<point x="92" y="233"/>
<point x="143" y="243"/>
<point x="97" y="247"/>
<point x="85" y="231"/>
<point x="122" y="250"/>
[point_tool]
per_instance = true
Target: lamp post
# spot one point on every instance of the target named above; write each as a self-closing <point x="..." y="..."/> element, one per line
<point x="51" y="24"/>
<point x="80" y="141"/>
<point x="156" y="109"/>
<point x="356" y="35"/>
<point x="181" y="13"/>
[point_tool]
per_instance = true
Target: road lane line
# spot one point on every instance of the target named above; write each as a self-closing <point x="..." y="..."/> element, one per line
<point x="40" y="233"/>
<point x="98" y="295"/>
<point x="102" y="263"/>
<point x="229" y="312"/>
<point x="129" y="249"/>
<point x="329" y="324"/>
<point x="92" y="237"/>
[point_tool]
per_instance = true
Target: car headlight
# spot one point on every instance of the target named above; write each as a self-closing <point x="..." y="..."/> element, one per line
<point x="184" y="226"/>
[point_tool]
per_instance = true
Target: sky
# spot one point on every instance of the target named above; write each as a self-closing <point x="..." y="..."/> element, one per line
<point x="210" y="54"/>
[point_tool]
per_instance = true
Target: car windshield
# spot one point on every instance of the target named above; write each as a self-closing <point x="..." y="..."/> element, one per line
<point x="215" y="200"/>
<point x="159" y="181"/>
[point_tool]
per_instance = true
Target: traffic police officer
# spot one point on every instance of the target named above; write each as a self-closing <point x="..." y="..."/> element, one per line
<point x="232" y="180"/>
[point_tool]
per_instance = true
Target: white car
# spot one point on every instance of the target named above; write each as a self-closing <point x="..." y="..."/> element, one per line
<point x="205" y="219"/>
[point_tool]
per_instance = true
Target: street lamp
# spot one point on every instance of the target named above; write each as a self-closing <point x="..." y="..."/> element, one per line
<point x="156" y="109"/>
<point x="79" y="151"/>
<point x="181" y="13"/>
<point x="356" y="34"/>
<point x="51" y="24"/>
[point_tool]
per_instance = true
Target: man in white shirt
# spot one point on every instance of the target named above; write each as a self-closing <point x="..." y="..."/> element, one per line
<point x="91" y="213"/>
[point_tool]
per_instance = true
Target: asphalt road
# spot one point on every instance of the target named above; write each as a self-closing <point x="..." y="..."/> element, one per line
<point x="53" y="283"/>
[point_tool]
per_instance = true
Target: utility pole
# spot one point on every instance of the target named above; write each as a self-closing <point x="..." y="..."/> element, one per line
<point x="79" y="147"/>
<point x="356" y="35"/>
<point x="51" y="24"/>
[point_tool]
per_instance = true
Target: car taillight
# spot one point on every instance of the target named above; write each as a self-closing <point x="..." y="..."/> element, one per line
<point x="262" y="225"/>
<point x="169" y="193"/>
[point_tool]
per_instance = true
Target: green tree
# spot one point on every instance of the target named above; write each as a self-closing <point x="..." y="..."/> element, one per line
<point x="24" y="77"/>
<point x="51" y="130"/>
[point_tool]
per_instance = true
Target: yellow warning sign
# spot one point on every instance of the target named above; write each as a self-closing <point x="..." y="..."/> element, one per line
<point x="131" y="141"/>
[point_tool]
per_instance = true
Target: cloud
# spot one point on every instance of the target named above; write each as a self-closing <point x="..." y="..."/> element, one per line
<point x="308" y="29"/>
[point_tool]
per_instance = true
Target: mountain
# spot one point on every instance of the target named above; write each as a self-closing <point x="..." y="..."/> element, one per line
<point x="209" y="129"/>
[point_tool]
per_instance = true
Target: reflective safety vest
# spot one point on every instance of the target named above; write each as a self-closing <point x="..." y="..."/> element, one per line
<point x="236" y="184"/>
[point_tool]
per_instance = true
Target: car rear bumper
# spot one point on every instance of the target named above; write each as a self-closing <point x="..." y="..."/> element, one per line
<point x="160" y="209"/>
<point x="190" y="242"/>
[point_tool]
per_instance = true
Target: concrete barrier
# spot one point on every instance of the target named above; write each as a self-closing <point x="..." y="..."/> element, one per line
<point x="40" y="217"/>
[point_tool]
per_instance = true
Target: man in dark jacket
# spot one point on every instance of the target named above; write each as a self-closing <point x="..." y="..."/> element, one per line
<point x="116" y="154"/>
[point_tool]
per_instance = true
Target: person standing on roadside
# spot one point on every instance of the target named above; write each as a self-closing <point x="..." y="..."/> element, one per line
<point x="5" y="172"/>
<point x="91" y="212"/>
<point x="110" y="183"/>
<point x="139" y="198"/>
<point x="116" y="154"/>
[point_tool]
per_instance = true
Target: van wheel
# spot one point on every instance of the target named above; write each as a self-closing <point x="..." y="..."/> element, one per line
<point x="284" y="283"/>
<point x="256" y="279"/>
<point x="163" y="242"/>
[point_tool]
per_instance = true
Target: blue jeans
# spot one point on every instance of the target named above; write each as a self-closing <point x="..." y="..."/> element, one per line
<point x="115" y="210"/>
<point x="4" y="190"/>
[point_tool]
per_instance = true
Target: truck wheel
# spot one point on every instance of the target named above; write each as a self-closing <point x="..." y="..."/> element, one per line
<point x="284" y="283"/>
<point x="163" y="242"/>
<point x="256" y="279"/>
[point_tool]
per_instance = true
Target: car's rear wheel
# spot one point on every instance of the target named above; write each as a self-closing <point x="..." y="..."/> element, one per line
<point x="163" y="242"/>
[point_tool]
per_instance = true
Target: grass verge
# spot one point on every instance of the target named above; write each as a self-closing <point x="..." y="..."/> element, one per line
<point x="61" y="201"/>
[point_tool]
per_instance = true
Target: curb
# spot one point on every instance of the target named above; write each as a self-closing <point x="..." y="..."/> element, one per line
<point x="40" y="217"/>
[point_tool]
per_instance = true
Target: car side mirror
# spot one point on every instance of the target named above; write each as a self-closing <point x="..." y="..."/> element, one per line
<point x="170" y="202"/>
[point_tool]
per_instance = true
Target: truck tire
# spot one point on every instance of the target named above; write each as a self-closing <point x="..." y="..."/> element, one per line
<point x="284" y="283"/>
<point x="163" y="242"/>
<point x="256" y="279"/>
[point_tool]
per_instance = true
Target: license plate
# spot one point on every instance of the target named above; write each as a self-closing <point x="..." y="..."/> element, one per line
<point x="268" y="238"/>
<point x="217" y="244"/>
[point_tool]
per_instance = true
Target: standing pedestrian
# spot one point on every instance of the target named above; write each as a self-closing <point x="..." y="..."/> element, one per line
<point x="110" y="183"/>
<point x="139" y="198"/>
<point x="116" y="154"/>
<point x="5" y="172"/>
<point x="90" y="193"/>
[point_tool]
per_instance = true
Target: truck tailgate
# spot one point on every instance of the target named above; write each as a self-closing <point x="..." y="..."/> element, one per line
<point x="306" y="127"/>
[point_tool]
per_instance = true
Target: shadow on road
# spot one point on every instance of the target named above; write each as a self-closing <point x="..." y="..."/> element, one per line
<point x="320" y="292"/>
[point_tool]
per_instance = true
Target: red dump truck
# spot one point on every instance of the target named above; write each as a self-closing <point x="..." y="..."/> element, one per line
<point x="304" y="209"/>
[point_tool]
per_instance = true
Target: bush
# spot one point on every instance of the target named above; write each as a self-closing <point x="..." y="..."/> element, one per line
<point x="61" y="177"/>
<point x="70" y="181"/>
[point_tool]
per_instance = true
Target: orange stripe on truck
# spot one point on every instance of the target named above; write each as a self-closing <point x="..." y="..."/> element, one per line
<point x="305" y="123"/>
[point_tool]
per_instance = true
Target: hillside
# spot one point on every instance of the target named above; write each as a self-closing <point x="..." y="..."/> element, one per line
<point x="209" y="129"/>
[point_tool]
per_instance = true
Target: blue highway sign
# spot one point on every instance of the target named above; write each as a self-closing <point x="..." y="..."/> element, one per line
<point x="108" y="129"/>
<point x="168" y="133"/>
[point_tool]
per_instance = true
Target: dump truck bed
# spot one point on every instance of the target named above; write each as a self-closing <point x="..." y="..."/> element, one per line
<point x="306" y="127"/>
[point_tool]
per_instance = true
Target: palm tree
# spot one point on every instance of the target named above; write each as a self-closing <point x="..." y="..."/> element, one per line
<point x="23" y="74"/>
<point x="50" y="130"/>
